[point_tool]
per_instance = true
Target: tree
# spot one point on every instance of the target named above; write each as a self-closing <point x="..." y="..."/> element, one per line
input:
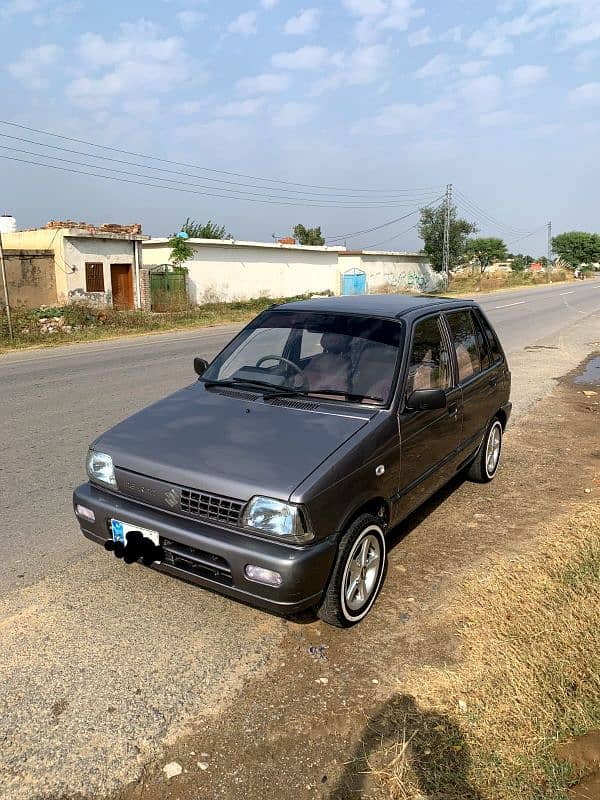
<point x="181" y="251"/>
<point x="309" y="236"/>
<point x="431" y="230"/>
<point x="486" y="251"/>
<point x="577" y="247"/>
<point x="519" y="263"/>
<point x="204" y="230"/>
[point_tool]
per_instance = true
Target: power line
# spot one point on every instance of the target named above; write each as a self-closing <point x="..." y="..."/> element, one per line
<point x="393" y="192"/>
<point x="392" y="238"/>
<point x="383" y="224"/>
<point x="286" y="192"/>
<point x="180" y="188"/>
<point x="484" y="217"/>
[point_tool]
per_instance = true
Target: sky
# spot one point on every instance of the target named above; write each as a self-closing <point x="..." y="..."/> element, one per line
<point x="345" y="114"/>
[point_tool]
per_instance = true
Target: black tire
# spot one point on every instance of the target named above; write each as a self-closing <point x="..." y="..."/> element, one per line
<point x="334" y="608"/>
<point x="480" y="469"/>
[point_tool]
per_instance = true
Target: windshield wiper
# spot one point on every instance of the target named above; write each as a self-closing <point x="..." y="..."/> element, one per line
<point x="353" y="398"/>
<point x="238" y="382"/>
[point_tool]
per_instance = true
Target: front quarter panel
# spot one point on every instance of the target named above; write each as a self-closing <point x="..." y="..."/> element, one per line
<point x="347" y="480"/>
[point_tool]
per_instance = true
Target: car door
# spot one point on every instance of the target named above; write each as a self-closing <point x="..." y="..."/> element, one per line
<point x="477" y="374"/>
<point x="429" y="440"/>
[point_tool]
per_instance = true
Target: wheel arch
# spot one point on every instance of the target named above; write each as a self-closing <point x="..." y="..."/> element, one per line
<point x="377" y="506"/>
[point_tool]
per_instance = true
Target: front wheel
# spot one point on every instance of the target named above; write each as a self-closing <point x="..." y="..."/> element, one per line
<point x="485" y="465"/>
<point x="357" y="575"/>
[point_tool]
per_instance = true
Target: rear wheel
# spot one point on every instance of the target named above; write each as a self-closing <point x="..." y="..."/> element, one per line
<point x="485" y="465"/>
<point x="358" y="573"/>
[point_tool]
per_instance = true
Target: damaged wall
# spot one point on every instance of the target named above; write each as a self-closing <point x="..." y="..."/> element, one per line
<point x="31" y="278"/>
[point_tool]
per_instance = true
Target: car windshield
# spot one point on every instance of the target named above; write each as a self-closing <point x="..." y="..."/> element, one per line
<point x="344" y="357"/>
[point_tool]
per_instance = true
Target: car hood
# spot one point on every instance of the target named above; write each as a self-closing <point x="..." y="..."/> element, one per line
<point x="233" y="446"/>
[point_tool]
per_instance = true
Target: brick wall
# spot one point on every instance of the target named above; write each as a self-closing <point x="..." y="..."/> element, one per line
<point x="145" y="298"/>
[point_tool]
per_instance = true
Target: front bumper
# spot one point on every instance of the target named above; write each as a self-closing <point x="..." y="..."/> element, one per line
<point x="215" y="557"/>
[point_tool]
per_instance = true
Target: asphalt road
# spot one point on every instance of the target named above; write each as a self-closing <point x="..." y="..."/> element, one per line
<point x="98" y="661"/>
<point x="55" y="402"/>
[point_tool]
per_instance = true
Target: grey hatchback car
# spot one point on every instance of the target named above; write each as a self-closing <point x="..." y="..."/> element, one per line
<point x="275" y="477"/>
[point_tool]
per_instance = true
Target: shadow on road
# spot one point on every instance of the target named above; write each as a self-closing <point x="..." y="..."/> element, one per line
<point x="400" y="733"/>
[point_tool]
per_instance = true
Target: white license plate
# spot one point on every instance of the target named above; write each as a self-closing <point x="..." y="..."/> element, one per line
<point x="121" y="529"/>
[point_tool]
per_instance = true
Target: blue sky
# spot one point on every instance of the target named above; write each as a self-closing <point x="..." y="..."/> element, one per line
<point x="501" y="99"/>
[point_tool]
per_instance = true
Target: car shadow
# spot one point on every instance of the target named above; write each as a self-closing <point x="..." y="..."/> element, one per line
<point x="423" y="750"/>
<point x="397" y="534"/>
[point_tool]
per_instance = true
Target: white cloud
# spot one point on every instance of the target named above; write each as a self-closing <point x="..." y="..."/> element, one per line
<point x="588" y="94"/>
<point x="241" y="108"/>
<point x="452" y="34"/>
<point x="360" y="67"/>
<point x="497" y="119"/>
<point x="32" y="67"/>
<point x="420" y="37"/>
<point x="365" y="8"/>
<point x="403" y="118"/>
<point x="190" y="18"/>
<point x="268" y="4"/>
<point x="528" y="75"/>
<point x="472" y="68"/>
<point x="305" y="22"/>
<point x="305" y="58"/>
<point x="16" y="7"/>
<point x="436" y="66"/>
<point x="245" y="24"/>
<point x="401" y="13"/>
<point x="266" y="83"/>
<point x="291" y="114"/>
<point x="136" y="62"/>
<point x="482" y="93"/>
<point x="190" y="107"/>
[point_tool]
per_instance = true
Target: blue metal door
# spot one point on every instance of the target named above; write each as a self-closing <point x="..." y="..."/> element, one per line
<point x="354" y="282"/>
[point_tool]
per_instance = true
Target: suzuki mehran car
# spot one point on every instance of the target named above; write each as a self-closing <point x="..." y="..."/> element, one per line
<point x="276" y="476"/>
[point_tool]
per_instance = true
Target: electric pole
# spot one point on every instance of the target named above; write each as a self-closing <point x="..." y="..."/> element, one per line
<point x="446" y="247"/>
<point x="549" y="267"/>
<point x="5" y="284"/>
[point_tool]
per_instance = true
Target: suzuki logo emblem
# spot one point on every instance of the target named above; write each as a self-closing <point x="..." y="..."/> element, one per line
<point x="172" y="498"/>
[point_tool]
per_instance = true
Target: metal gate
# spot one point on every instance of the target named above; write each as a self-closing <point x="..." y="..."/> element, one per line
<point x="168" y="288"/>
<point x="354" y="281"/>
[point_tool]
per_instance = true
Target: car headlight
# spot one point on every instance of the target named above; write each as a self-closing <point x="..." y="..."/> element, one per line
<point x="276" y="518"/>
<point x="100" y="468"/>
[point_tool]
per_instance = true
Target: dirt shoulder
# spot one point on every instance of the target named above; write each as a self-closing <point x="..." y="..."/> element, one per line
<point x="302" y="728"/>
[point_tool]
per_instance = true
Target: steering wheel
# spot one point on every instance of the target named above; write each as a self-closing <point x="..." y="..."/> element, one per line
<point x="289" y="363"/>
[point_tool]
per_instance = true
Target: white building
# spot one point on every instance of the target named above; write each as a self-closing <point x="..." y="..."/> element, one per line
<point x="238" y="270"/>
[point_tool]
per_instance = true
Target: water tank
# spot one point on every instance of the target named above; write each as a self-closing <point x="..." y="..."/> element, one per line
<point x="8" y="224"/>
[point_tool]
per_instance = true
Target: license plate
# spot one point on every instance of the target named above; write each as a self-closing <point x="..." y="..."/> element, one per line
<point x="121" y="529"/>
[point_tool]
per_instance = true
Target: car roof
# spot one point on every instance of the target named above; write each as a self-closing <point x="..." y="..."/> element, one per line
<point x="375" y="305"/>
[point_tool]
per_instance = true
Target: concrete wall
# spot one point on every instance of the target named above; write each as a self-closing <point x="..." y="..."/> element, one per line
<point x="391" y="271"/>
<point x="241" y="271"/>
<point x="42" y="239"/>
<point x="30" y="275"/>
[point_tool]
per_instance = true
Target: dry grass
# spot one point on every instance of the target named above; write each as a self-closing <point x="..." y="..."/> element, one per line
<point x="528" y="675"/>
<point x="91" y="322"/>
<point x="491" y="281"/>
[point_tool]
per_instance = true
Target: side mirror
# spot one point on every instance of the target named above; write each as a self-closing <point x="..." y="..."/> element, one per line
<point x="427" y="400"/>
<point x="200" y="366"/>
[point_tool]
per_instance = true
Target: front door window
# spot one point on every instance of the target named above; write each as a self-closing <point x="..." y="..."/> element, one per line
<point x="429" y="366"/>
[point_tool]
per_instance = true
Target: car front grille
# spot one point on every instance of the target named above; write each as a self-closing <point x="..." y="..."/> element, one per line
<point x="211" y="506"/>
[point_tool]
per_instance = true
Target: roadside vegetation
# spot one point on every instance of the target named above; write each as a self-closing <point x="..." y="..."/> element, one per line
<point x="527" y="679"/>
<point x="78" y="322"/>
<point x="464" y="282"/>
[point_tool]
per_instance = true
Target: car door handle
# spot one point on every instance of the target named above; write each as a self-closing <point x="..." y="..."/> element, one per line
<point x="452" y="409"/>
<point x="493" y="382"/>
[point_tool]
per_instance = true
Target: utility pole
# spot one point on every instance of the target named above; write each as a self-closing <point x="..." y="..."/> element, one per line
<point x="446" y="247"/>
<point x="6" y="298"/>
<point x="549" y="267"/>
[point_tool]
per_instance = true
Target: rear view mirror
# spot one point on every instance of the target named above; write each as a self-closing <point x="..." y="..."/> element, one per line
<point x="426" y="400"/>
<point x="200" y="365"/>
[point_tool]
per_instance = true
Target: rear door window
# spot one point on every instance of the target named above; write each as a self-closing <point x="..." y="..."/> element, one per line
<point x="466" y="346"/>
<point x="429" y="366"/>
<point x="491" y="338"/>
